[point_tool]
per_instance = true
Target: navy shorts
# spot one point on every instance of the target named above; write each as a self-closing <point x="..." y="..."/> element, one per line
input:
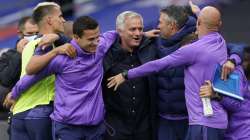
<point x="33" y="124"/>
<point x="31" y="129"/>
<point x="198" y="132"/>
<point x="63" y="131"/>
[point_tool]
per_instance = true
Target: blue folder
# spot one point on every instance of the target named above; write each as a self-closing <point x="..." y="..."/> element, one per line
<point x="230" y="87"/>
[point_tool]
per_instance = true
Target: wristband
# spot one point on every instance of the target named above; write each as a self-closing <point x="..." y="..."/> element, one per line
<point x="125" y="74"/>
<point x="232" y="60"/>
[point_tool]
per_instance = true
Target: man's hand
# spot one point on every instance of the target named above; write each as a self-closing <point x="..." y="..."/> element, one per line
<point x="67" y="49"/>
<point x="115" y="81"/>
<point x="206" y="90"/>
<point x="8" y="102"/>
<point x="227" y="68"/>
<point x="152" y="33"/>
<point x="20" y="45"/>
<point x="195" y="9"/>
<point x="47" y="40"/>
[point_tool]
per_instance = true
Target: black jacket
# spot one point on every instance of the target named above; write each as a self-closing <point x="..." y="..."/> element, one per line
<point x="10" y="68"/>
<point x="146" y="52"/>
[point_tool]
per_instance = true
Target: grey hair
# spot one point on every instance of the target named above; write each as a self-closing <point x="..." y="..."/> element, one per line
<point x="121" y="18"/>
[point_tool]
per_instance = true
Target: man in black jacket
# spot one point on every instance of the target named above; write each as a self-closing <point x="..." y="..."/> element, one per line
<point x="10" y="59"/>
<point x="10" y="69"/>
<point x="130" y="110"/>
<point x="176" y="27"/>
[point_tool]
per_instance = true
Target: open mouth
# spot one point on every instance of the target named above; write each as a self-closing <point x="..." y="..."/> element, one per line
<point x="137" y="38"/>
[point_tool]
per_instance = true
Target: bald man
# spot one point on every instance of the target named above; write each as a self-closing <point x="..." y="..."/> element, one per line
<point x="209" y="20"/>
<point x="200" y="60"/>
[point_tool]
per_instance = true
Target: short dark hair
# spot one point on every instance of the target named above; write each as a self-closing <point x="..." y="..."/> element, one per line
<point x="84" y="23"/>
<point x="178" y="13"/>
<point x="23" y="21"/>
<point x="42" y="10"/>
<point x="189" y="11"/>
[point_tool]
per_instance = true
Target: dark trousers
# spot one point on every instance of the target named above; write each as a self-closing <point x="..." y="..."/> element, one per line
<point x="31" y="129"/>
<point x="77" y="132"/>
<point x="120" y="136"/>
<point x="116" y="130"/>
<point x="127" y="127"/>
<point x="198" y="132"/>
<point x="172" y="129"/>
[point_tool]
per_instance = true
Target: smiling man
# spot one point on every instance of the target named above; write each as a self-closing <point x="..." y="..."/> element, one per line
<point x="78" y="106"/>
<point x="130" y="109"/>
<point x="200" y="59"/>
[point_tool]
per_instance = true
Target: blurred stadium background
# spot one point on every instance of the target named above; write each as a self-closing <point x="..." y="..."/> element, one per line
<point x="235" y="14"/>
<point x="236" y="18"/>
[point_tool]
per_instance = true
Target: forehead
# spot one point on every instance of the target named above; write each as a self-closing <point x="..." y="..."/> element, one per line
<point x="133" y="22"/>
<point x="91" y="33"/>
<point x="164" y="16"/>
<point x="30" y="26"/>
<point x="28" y="23"/>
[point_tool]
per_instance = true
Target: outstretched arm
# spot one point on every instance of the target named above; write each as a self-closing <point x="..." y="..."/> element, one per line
<point x="38" y="62"/>
<point x="106" y="41"/>
<point x="28" y="81"/>
<point x="195" y="8"/>
<point x="179" y="57"/>
<point x="22" y="85"/>
<point x="152" y="33"/>
<point x="55" y="66"/>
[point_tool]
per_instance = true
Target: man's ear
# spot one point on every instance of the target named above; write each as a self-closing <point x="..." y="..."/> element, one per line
<point x="220" y="24"/>
<point x="119" y="31"/>
<point x="174" y="26"/>
<point x="49" y="20"/>
<point x="198" y="22"/>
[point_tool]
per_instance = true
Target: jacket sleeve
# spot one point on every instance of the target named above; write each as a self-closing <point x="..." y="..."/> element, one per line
<point x="25" y="83"/>
<point x="179" y="57"/>
<point x="236" y="52"/>
<point x="10" y="68"/>
<point x="231" y="104"/>
<point x="55" y="66"/>
<point x="106" y="41"/>
<point x="62" y="40"/>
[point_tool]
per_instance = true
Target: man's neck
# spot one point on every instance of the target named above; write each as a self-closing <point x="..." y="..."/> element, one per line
<point x="45" y="30"/>
<point x="127" y="48"/>
<point x="205" y="32"/>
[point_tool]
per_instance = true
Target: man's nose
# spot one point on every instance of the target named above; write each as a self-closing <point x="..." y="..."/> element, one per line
<point x="138" y="32"/>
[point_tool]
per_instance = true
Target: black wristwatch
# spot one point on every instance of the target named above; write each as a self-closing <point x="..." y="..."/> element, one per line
<point x="125" y="74"/>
